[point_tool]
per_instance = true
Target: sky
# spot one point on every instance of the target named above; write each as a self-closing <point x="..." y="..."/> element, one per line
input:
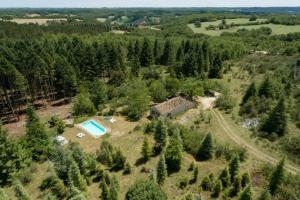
<point x="148" y="3"/>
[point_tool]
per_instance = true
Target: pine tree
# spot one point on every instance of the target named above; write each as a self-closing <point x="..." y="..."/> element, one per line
<point x="49" y="196"/>
<point x="265" y="195"/>
<point x="114" y="188"/>
<point x="217" y="189"/>
<point x="157" y="52"/>
<point x="105" y="191"/>
<point x="161" y="170"/>
<point x="146" y="150"/>
<point x="20" y="192"/>
<point x="13" y="157"/>
<point x="146" y="58"/>
<point x="36" y="139"/>
<point x="216" y="69"/>
<point x="3" y="195"/>
<point x="173" y="152"/>
<point x="75" y="194"/>
<point x="119" y="160"/>
<point x="246" y="180"/>
<point x="225" y="177"/>
<point x="236" y="186"/>
<point x="247" y="194"/>
<point x="206" y="149"/>
<point x="206" y="184"/>
<point x="251" y="92"/>
<point x="80" y="158"/>
<point x="75" y="178"/>
<point x="267" y="88"/>
<point x="277" y="120"/>
<point x="179" y="54"/>
<point x="160" y="135"/>
<point x="195" y="174"/>
<point x="277" y="177"/>
<point x="168" y="56"/>
<point x="234" y="167"/>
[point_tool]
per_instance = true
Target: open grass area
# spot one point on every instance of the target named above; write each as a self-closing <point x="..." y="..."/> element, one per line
<point x="277" y="29"/>
<point x="40" y="21"/>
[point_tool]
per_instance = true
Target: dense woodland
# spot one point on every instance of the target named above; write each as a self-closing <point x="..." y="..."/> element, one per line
<point x="83" y="63"/>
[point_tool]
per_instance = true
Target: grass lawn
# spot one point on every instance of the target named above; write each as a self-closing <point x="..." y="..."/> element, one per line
<point x="277" y="29"/>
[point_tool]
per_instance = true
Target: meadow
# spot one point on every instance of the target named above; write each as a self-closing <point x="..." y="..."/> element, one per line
<point x="277" y="29"/>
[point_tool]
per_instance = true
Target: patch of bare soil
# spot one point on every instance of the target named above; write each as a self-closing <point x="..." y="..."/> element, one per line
<point x="17" y="129"/>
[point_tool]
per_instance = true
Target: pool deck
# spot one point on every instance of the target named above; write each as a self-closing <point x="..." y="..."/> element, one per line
<point x="80" y="126"/>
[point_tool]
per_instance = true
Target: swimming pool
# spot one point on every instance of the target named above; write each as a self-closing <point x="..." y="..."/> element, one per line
<point x="93" y="128"/>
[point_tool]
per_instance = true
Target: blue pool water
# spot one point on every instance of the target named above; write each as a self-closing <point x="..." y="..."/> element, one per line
<point x="94" y="128"/>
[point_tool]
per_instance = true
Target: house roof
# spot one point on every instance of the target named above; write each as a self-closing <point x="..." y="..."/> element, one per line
<point x="171" y="104"/>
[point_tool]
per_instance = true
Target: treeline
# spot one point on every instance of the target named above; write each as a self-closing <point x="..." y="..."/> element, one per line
<point x="49" y="69"/>
<point x="14" y="30"/>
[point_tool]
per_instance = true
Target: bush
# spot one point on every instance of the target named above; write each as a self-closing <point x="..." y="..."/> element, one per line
<point x="145" y="190"/>
<point x="183" y="182"/>
<point x="226" y="102"/>
<point x="127" y="168"/>
<point x="83" y="105"/>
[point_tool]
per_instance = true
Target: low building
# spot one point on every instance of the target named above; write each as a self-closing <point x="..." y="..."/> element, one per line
<point x="172" y="107"/>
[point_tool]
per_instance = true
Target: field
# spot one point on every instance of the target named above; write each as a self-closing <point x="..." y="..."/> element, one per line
<point x="40" y="21"/>
<point x="101" y="19"/>
<point x="277" y="29"/>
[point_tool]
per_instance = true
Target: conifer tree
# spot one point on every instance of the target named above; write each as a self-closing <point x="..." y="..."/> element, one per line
<point x="146" y="150"/>
<point x="216" y="68"/>
<point x="20" y="192"/>
<point x="251" y="92"/>
<point x="75" y="194"/>
<point x="173" y="152"/>
<point x="13" y="157"/>
<point x="157" y="52"/>
<point x="146" y="58"/>
<point x="119" y="160"/>
<point x="206" y="149"/>
<point x="225" y="177"/>
<point x="114" y="188"/>
<point x="37" y="140"/>
<point x="105" y="191"/>
<point x="179" y="54"/>
<point x="277" y="177"/>
<point x="267" y="89"/>
<point x="277" y="120"/>
<point x="247" y="193"/>
<point x="75" y="178"/>
<point x="49" y="196"/>
<point x="168" y="57"/>
<point x="217" y="189"/>
<point x="246" y="180"/>
<point x="234" y="167"/>
<point x="236" y="186"/>
<point x="265" y="195"/>
<point x="161" y="170"/>
<point x="195" y="174"/>
<point x="160" y="135"/>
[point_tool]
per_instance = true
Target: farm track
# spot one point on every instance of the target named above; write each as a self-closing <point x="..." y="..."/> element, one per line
<point x="251" y="149"/>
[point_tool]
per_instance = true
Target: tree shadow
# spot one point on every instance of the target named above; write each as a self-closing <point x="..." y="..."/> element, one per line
<point x="140" y="161"/>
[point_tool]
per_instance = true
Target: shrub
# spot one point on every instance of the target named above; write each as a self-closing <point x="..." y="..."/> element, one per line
<point x="183" y="182"/>
<point x="145" y="190"/>
<point x="83" y="105"/>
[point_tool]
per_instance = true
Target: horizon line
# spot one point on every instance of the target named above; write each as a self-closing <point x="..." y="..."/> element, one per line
<point x="112" y="7"/>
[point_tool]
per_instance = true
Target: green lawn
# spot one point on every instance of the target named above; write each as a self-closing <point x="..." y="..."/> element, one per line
<point x="277" y="29"/>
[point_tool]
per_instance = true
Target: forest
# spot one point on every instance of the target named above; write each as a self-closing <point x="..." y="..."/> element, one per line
<point x="85" y="64"/>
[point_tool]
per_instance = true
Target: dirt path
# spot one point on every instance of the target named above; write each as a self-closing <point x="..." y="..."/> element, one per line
<point x="254" y="151"/>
